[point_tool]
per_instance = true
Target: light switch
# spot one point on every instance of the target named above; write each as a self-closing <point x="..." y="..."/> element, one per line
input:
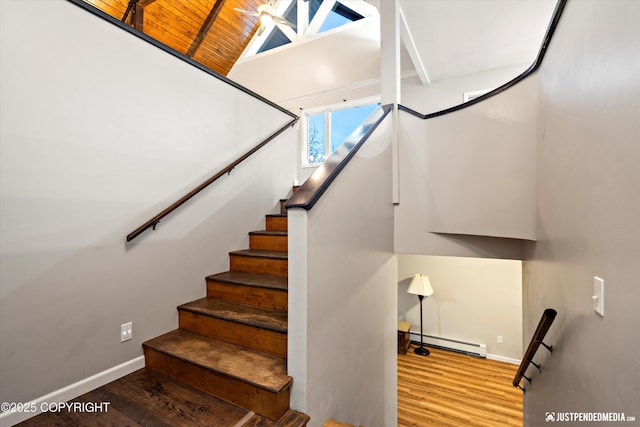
<point x="598" y="295"/>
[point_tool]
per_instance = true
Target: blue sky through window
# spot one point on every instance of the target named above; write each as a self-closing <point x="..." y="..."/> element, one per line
<point x="334" y="20"/>
<point x="321" y="142"/>
<point x="344" y="122"/>
<point x="339" y="16"/>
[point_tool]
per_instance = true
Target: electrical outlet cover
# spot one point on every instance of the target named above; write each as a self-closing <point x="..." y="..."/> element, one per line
<point x="126" y="331"/>
<point x="598" y="295"/>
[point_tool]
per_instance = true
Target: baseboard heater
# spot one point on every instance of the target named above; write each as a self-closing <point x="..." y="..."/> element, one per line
<point x="472" y="349"/>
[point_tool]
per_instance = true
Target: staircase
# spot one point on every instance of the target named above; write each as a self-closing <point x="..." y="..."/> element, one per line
<point x="232" y="344"/>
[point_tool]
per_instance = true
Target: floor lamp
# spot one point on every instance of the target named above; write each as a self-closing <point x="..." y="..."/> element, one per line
<point x="421" y="286"/>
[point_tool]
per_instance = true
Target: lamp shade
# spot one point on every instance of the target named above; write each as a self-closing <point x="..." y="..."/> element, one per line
<point x="420" y="285"/>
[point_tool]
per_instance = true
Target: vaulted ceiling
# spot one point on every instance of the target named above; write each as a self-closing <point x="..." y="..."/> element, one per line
<point x="441" y="39"/>
<point x="209" y="31"/>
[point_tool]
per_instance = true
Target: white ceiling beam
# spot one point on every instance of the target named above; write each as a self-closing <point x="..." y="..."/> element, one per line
<point x="303" y="17"/>
<point x="410" y="45"/>
<point x="322" y="13"/>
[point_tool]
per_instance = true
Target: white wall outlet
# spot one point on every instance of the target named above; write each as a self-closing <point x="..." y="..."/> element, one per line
<point x="499" y="339"/>
<point x="598" y="295"/>
<point x="126" y="331"/>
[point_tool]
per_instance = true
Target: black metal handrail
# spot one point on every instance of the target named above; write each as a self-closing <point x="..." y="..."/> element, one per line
<point x="555" y="18"/>
<point x="546" y="320"/>
<point x="313" y="188"/>
<point x="153" y="222"/>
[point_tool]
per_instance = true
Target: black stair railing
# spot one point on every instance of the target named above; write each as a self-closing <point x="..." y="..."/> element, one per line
<point x="555" y="18"/>
<point x="313" y="188"/>
<point x="546" y="320"/>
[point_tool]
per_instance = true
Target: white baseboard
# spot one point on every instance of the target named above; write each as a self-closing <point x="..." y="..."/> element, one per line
<point x="473" y="349"/>
<point x="72" y="391"/>
<point x="503" y="359"/>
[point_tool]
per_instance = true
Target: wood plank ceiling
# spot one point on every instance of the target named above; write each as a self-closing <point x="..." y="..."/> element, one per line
<point x="208" y="31"/>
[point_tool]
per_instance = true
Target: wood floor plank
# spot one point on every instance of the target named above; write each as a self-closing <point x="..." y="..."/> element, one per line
<point x="145" y="398"/>
<point x="451" y="389"/>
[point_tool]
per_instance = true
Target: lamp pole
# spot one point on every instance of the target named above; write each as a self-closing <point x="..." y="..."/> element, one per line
<point x="422" y="351"/>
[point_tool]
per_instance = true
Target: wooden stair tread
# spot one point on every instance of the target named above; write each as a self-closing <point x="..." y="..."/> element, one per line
<point x="259" y="369"/>
<point x="265" y="318"/>
<point x="250" y="279"/>
<point x="268" y="233"/>
<point x="289" y="419"/>
<point x="258" y="253"/>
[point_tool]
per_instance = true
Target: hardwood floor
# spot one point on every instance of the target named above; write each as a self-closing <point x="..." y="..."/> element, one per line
<point x="442" y="389"/>
<point x="146" y="398"/>
<point x="451" y="389"/>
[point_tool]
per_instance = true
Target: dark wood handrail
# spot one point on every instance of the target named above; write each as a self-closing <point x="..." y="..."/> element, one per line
<point x="546" y="320"/>
<point x="536" y="64"/>
<point x="94" y="10"/>
<point x="153" y="222"/>
<point x="313" y="188"/>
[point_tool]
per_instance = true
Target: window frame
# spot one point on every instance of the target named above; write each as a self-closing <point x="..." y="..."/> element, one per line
<point x="327" y="110"/>
<point x="304" y="28"/>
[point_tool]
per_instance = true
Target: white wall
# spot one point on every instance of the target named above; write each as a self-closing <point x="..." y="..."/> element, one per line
<point x="457" y="38"/>
<point x="475" y="300"/>
<point x="588" y="210"/>
<point x="343" y="294"/>
<point x="450" y="92"/>
<point x="327" y="61"/>
<point x="100" y="131"/>
<point x="469" y="173"/>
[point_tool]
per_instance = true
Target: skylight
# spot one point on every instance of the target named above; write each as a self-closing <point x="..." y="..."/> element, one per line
<point x="338" y="16"/>
<point x="276" y="38"/>
<point x="310" y="17"/>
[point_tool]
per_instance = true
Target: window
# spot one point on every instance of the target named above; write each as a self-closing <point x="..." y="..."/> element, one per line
<point x="316" y="16"/>
<point x="339" y="16"/>
<point x="326" y="130"/>
<point x="276" y="38"/>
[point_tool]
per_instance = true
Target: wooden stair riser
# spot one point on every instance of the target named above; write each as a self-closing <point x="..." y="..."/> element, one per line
<point x="259" y="265"/>
<point x="276" y="223"/>
<point x="283" y="202"/>
<point x="235" y="333"/>
<point x="268" y="242"/>
<point x="272" y="405"/>
<point x="251" y="295"/>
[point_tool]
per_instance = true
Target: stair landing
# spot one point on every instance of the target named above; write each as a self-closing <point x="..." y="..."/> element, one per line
<point x="146" y="398"/>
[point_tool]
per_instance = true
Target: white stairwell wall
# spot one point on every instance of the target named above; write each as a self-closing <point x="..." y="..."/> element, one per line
<point x="343" y="295"/>
<point x="467" y="180"/>
<point x="588" y="202"/>
<point x="99" y="132"/>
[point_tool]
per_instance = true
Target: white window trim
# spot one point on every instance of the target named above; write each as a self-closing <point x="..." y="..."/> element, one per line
<point x="327" y="136"/>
